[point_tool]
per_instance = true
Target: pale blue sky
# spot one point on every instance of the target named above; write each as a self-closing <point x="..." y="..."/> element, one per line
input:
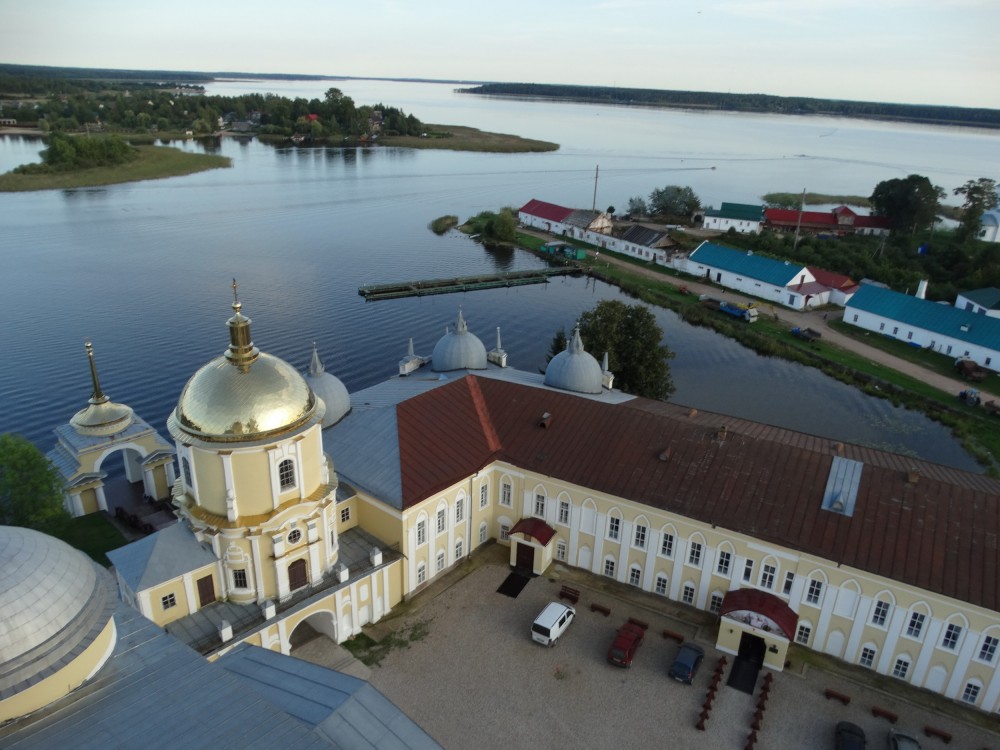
<point x="940" y="52"/>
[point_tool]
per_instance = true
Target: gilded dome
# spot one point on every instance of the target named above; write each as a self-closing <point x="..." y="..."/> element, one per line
<point x="244" y="394"/>
<point x="458" y="350"/>
<point x="55" y="602"/>
<point x="574" y="369"/>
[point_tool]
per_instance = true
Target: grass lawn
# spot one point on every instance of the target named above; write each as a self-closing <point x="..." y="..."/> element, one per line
<point x="456" y="138"/>
<point x="154" y="162"/>
<point x="93" y="534"/>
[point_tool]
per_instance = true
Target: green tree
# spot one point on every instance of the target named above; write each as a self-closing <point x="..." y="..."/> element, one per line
<point x="634" y="343"/>
<point x="637" y="206"/>
<point x="31" y="490"/>
<point x="980" y="196"/>
<point x="908" y="204"/>
<point x="674" y="200"/>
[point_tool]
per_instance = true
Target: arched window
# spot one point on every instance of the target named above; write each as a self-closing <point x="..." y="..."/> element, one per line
<point x="186" y="471"/>
<point x="482" y="532"/>
<point x="561" y="551"/>
<point x="662" y="584"/>
<point x="286" y="474"/>
<point x="440" y="561"/>
<point x="635" y="575"/>
<point x="459" y="549"/>
<point x="421" y="573"/>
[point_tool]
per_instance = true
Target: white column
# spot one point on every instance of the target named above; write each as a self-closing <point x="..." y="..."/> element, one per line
<point x="258" y="572"/>
<point x="168" y="469"/>
<point x="315" y="564"/>
<point x="273" y="458"/>
<point x="281" y="574"/>
<point x="624" y="544"/>
<point x="600" y="529"/>
<point x="992" y="691"/>
<point x="680" y="555"/>
<point x="300" y="480"/>
<point x="888" y="659"/>
<point x="853" y="647"/>
<point x="189" y="592"/>
<point x="574" y="533"/>
<point x="76" y="504"/>
<point x="286" y="646"/>
<point x="385" y="591"/>
<point x="825" y="612"/>
<point x="102" y="501"/>
<point x="355" y="606"/>
<point x="410" y="550"/>
<point x="707" y="566"/>
<point x="652" y="544"/>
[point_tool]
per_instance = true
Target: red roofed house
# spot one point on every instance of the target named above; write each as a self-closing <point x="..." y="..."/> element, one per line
<point x="838" y="222"/>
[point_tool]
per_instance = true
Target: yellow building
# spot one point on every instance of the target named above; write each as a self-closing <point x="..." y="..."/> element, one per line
<point x="874" y="558"/>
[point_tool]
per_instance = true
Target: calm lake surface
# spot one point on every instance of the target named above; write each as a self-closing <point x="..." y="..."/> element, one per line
<point x="144" y="269"/>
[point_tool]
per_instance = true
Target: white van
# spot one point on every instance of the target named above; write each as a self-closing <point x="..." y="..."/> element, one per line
<point x="551" y="623"/>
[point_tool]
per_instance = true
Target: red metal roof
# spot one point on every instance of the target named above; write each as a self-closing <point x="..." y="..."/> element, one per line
<point x="547" y="211"/>
<point x="534" y="527"/>
<point x="763" y="603"/>
<point x="833" y="280"/>
<point x="939" y="533"/>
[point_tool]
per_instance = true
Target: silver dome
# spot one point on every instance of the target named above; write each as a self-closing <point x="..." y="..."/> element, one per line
<point x="54" y="601"/>
<point x="573" y="369"/>
<point x="458" y="350"/>
<point x="329" y="388"/>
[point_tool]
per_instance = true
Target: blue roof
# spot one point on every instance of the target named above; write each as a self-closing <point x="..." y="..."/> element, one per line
<point x="777" y="272"/>
<point x="160" y="557"/>
<point x="946" y="320"/>
<point x="988" y="297"/>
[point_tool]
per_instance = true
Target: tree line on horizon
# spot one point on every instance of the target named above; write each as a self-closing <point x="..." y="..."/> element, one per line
<point x="765" y="103"/>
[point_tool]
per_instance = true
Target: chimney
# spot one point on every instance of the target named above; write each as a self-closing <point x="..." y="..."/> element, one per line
<point x="922" y="289"/>
<point x="545" y="421"/>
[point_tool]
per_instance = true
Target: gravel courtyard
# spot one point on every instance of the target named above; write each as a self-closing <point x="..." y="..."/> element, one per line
<point x="474" y="678"/>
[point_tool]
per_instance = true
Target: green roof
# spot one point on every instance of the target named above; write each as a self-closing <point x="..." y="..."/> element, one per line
<point x="936" y="317"/>
<point x="777" y="272"/>
<point x="739" y="211"/>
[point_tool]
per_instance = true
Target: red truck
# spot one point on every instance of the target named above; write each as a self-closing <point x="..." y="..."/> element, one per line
<point x="626" y="643"/>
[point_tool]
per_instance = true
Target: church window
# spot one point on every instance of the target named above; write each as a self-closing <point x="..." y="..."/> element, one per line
<point x="725" y="559"/>
<point x="971" y="694"/>
<point x="458" y="550"/>
<point x="614" y="527"/>
<point x="867" y="657"/>
<point x="901" y="667"/>
<point x="440" y="561"/>
<point x="540" y="505"/>
<point x="294" y="536"/>
<point x="168" y="601"/>
<point x="687" y="596"/>
<point x="767" y="576"/>
<point x="881" y="613"/>
<point x="459" y="510"/>
<point x="661" y="584"/>
<point x="421" y="573"/>
<point x="240" y="578"/>
<point x="989" y="648"/>
<point x="802" y="634"/>
<point x="694" y="554"/>
<point x="815" y="592"/>
<point x="505" y="492"/>
<point x="186" y="470"/>
<point x="484" y="495"/>
<point x="667" y="545"/>
<point x="640" y="537"/>
<point x="441" y="520"/>
<point x="561" y="551"/>
<point x="635" y="576"/>
<point x="421" y="531"/>
<point x="504" y="532"/>
<point x="786" y="589"/>
<point x="482" y="532"/>
<point x="563" y="512"/>
<point x="609" y="568"/>
<point x="286" y="474"/>
<point x="916" y="625"/>
<point x="715" y="603"/>
<point x="951" y="636"/>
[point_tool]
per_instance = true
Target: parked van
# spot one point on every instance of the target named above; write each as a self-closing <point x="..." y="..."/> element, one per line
<point x="552" y="623"/>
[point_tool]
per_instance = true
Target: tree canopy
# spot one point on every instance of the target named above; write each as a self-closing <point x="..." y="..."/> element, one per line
<point x="674" y="200"/>
<point x="980" y="196"/>
<point x="31" y="490"/>
<point x="909" y="204"/>
<point x="634" y="343"/>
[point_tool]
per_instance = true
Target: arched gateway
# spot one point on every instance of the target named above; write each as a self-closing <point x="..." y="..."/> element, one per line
<point x="756" y="626"/>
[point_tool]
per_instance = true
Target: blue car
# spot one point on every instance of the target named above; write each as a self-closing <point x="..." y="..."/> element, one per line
<point x="686" y="662"/>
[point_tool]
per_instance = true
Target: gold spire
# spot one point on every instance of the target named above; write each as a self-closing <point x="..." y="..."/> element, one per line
<point x="242" y="352"/>
<point x="102" y="416"/>
<point x="98" y="396"/>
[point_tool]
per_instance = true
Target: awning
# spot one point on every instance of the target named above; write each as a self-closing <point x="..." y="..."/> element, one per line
<point x="534" y="527"/>
<point x="763" y="603"/>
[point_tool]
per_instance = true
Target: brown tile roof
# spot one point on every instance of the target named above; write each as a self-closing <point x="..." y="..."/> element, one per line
<point x="919" y="523"/>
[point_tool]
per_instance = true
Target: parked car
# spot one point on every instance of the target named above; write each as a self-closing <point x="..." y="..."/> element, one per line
<point x="849" y="736"/>
<point x="623" y="647"/>
<point x="686" y="662"/>
<point x="902" y="741"/>
<point x="552" y="623"/>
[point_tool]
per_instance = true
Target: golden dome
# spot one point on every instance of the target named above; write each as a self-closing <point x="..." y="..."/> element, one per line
<point x="102" y="416"/>
<point x="244" y="394"/>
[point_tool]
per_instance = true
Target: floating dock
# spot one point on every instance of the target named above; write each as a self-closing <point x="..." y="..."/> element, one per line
<point x="462" y="283"/>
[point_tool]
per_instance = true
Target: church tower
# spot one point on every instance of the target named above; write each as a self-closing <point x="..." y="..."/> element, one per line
<point x="255" y="481"/>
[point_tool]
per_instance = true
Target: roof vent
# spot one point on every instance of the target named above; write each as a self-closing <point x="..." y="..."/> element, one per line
<point x="912" y="476"/>
<point x="838" y="448"/>
<point x="693" y="413"/>
<point x="545" y="421"/>
<point x="666" y="453"/>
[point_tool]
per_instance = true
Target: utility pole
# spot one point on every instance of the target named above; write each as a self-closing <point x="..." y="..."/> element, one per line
<point x="798" y="224"/>
<point x="593" y="206"/>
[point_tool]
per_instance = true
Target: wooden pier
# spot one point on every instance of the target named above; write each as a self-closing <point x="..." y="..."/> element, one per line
<point x="396" y="290"/>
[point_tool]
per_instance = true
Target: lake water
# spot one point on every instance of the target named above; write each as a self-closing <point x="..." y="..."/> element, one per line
<point x="144" y="269"/>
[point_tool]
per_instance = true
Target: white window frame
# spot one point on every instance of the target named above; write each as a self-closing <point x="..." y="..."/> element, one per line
<point x="459" y="510"/>
<point x="971" y="693"/>
<point x="539" y="505"/>
<point x="803" y="633"/>
<point x="563" y="518"/>
<point x="915" y="625"/>
<point x="504" y="532"/>
<point x="286" y="475"/>
<point x="345" y="514"/>
<point x="639" y="536"/>
<point x="168" y="601"/>
<point x="767" y="574"/>
<point x="951" y="636"/>
<point x="635" y="576"/>
<point x="695" y="556"/>
<point x="715" y="603"/>
<point x="614" y="528"/>
<point x="724" y="563"/>
<point x="609" y="567"/>
<point x="459" y="549"/>
<point x="901" y="668"/>
<point x="786" y="587"/>
<point x="688" y="593"/>
<point x="662" y="585"/>
<point x="506" y="490"/>
<point x="240" y="578"/>
<point x="667" y="545"/>
<point x="868" y="656"/>
<point x="441" y="561"/>
<point x="484" y="532"/>
<point x="421" y="572"/>
<point x="881" y="613"/>
<point x="442" y="520"/>
<point x="421" y="532"/>
<point x="484" y="494"/>
<point x="988" y="648"/>
<point x="747" y="570"/>
<point x="814" y="592"/>
<point x="561" y="551"/>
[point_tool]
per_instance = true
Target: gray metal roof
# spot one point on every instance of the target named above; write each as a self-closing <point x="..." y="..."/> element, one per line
<point x="347" y="711"/>
<point x="155" y="693"/>
<point x="160" y="557"/>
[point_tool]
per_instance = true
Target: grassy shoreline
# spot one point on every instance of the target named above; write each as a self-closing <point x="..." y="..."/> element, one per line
<point x="458" y="138"/>
<point x="153" y="163"/>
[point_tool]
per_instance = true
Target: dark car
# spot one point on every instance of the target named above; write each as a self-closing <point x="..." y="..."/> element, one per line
<point x="849" y="736"/>
<point x="686" y="662"/>
<point x="623" y="647"/>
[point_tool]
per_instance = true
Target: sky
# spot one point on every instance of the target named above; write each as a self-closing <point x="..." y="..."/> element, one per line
<point x="908" y="51"/>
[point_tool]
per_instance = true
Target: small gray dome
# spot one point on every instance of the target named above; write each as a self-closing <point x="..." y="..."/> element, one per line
<point x="574" y="369"/>
<point x="329" y="388"/>
<point x="458" y="350"/>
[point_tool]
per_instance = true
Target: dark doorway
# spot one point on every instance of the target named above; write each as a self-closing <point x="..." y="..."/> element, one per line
<point x="749" y="660"/>
<point x="525" y="558"/>
<point x="513" y="584"/>
<point x="206" y="591"/>
<point x="297" y="577"/>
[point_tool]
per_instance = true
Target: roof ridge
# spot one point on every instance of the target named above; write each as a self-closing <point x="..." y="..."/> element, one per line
<point x="483" y="413"/>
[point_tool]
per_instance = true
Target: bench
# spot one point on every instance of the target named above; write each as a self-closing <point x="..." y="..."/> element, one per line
<point x="836" y="695"/>
<point x="639" y="623"/>
<point x="673" y="635"/>
<point x="603" y="609"/>
<point x="566" y="592"/>
<point x="885" y="713"/>
<point x="939" y="733"/>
